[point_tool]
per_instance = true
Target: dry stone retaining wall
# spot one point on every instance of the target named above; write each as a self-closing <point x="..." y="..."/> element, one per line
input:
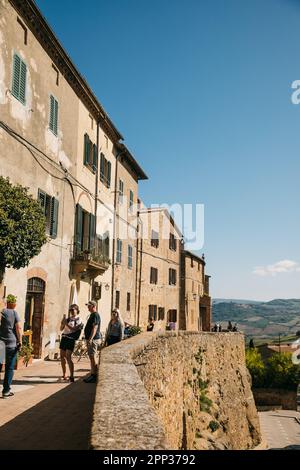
<point x="170" y="390"/>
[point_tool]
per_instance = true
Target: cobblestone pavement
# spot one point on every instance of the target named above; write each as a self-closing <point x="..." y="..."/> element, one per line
<point x="281" y="429"/>
<point x="47" y="414"/>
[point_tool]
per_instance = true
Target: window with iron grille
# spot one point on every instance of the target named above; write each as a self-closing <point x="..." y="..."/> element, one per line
<point x="154" y="239"/>
<point x="161" y="313"/>
<point x="19" y="79"/>
<point x="35" y="284"/>
<point x="50" y="208"/>
<point x="152" y="312"/>
<point x="53" y="121"/>
<point x="172" y="277"/>
<point x="172" y="242"/>
<point x="119" y="251"/>
<point x="153" y="275"/>
<point x="105" y="171"/>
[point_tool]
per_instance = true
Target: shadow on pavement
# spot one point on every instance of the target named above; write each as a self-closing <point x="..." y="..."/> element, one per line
<point x="60" y="422"/>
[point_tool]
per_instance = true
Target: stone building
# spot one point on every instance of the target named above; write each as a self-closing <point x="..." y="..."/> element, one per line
<point x="57" y="140"/>
<point x="195" y="302"/>
<point x="159" y="268"/>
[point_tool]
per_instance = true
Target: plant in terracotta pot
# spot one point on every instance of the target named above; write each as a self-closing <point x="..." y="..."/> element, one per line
<point x="11" y="301"/>
<point x="25" y="353"/>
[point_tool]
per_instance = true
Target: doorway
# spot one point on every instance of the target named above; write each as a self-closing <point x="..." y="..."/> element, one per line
<point x="34" y="314"/>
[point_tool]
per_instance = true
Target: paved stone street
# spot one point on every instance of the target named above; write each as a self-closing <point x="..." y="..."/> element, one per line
<point x="46" y="414"/>
<point x="281" y="429"/>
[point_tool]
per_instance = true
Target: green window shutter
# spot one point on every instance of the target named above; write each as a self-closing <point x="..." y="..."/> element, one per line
<point x="106" y="245"/>
<point x="108" y="173"/>
<point x="54" y="218"/>
<point x="16" y="75"/>
<point x="95" y="158"/>
<point x="78" y="228"/>
<point x="42" y="199"/>
<point x="92" y="232"/>
<point x="53" y="124"/>
<point x="19" y="79"/>
<point x="86" y="149"/>
<point x="102" y="167"/>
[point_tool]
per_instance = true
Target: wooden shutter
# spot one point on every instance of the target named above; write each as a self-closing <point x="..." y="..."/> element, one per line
<point x="92" y="227"/>
<point x="54" y="217"/>
<point x="86" y="149"/>
<point x="102" y="162"/>
<point x="128" y="301"/>
<point x="53" y="124"/>
<point x="78" y="228"/>
<point x="23" y="74"/>
<point x="108" y="173"/>
<point x="19" y="79"/>
<point x="95" y="158"/>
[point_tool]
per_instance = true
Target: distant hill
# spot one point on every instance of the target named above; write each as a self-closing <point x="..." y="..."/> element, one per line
<point x="259" y="318"/>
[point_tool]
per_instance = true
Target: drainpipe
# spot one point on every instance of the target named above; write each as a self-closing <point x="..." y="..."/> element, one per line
<point x="114" y="230"/>
<point x="97" y="178"/>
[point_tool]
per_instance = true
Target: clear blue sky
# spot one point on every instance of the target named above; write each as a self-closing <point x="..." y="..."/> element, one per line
<point x="201" y="91"/>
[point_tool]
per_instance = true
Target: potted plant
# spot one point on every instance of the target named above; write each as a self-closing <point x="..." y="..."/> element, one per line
<point x="24" y="356"/>
<point x="11" y="301"/>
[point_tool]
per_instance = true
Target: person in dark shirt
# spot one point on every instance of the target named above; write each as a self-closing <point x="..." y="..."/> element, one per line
<point x="93" y="338"/>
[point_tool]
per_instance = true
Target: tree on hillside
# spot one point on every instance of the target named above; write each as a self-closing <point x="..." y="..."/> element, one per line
<point x="255" y="366"/>
<point x="251" y="343"/>
<point x="22" y="227"/>
<point x="281" y="372"/>
<point x="298" y="333"/>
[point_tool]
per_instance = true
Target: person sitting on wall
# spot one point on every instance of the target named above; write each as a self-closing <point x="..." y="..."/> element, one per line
<point x="151" y="324"/>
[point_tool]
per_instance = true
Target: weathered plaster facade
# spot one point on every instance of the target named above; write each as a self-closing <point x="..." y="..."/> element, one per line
<point x="161" y="293"/>
<point x="36" y="157"/>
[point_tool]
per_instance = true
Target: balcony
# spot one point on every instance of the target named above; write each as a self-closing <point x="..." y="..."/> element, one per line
<point x="89" y="261"/>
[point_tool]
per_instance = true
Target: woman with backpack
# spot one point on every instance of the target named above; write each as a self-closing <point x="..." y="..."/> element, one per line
<point x="71" y="329"/>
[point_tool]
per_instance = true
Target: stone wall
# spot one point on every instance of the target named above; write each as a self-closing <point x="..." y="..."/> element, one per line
<point x="174" y="390"/>
<point x="273" y="397"/>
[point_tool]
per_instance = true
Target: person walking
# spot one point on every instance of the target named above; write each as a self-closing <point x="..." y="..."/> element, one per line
<point x="92" y="335"/>
<point x="115" y="329"/>
<point x="11" y="336"/>
<point x="71" y="328"/>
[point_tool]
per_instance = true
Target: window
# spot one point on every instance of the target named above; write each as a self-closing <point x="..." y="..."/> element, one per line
<point x="84" y="230"/>
<point x="24" y="30"/>
<point x="161" y="313"/>
<point x="50" y="208"/>
<point x="131" y="201"/>
<point x="103" y="244"/>
<point x="117" y="305"/>
<point x="172" y="277"/>
<point x="119" y="251"/>
<point x="128" y="301"/>
<point x="106" y="141"/>
<point x="105" y="171"/>
<point x="90" y="154"/>
<point x="19" y="79"/>
<point x="121" y="191"/>
<point x="130" y="252"/>
<point x="172" y="242"/>
<point x="172" y="316"/>
<point x="192" y="262"/>
<point x="152" y="312"/>
<point x="55" y="70"/>
<point x="53" y="122"/>
<point x="154" y="239"/>
<point x="153" y="275"/>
